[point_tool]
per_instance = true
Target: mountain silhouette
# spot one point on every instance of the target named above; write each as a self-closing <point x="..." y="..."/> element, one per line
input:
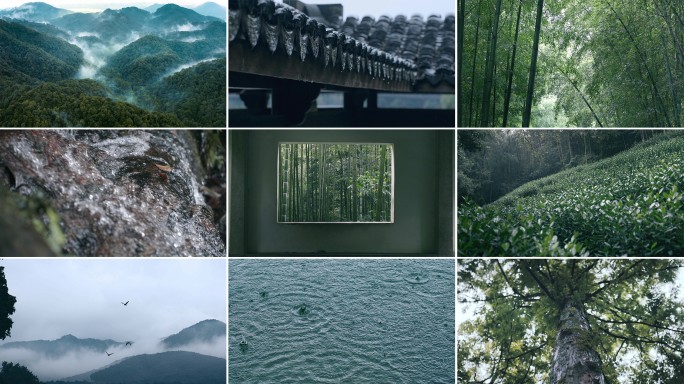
<point x="211" y="9"/>
<point x="36" y="11"/>
<point x="63" y="345"/>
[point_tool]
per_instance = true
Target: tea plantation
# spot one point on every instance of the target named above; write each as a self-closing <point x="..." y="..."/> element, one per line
<point x="631" y="204"/>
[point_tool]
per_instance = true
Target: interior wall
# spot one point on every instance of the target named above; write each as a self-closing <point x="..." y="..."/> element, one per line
<point x="416" y="200"/>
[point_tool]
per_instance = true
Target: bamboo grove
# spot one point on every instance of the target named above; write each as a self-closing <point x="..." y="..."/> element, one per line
<point x="334" y="182"/>
<point x="585" y="63"/>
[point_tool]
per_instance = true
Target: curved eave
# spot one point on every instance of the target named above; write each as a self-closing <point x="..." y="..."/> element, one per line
<point x="260" y="61"/>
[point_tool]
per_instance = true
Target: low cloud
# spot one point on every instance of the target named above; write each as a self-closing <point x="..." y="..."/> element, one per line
<point x="96" y="54"/>
<point x="84" y="360"/>
<point x="184" y="66"/>
<point x="216" y="348"/>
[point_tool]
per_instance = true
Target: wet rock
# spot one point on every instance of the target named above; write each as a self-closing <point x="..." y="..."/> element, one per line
<point x="117" y="193"/>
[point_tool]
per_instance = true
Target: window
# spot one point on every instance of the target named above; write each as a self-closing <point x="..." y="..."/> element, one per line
<point x="335" y="183"/>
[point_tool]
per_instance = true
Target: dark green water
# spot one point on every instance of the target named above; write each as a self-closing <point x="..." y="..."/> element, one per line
<point x="341" y="321"/>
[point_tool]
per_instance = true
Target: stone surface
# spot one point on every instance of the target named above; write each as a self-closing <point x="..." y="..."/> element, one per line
<point x="116" y="193"/>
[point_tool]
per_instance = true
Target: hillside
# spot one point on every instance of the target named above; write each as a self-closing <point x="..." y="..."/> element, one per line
<point x="147" y="59"/>
<point x="629" y="204"/>
<point x="176" y="367"/>
<point x="77" y="103"/>
<point x="37" y="55"/>
<point x="197" y="95"/>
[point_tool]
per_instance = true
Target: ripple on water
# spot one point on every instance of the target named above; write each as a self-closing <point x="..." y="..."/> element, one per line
<point x="331" y="321"/>
<point x="417" y="279"/>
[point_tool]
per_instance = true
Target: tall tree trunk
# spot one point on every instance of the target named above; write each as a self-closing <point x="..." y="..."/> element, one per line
<point x="489" y="73"/>
<point x="381" y="184"/>
<point x="472" y="75"/>
<point x="461" y="18"/>
<point x="323" y="212"/>
<point x="676" y="102"/>
<point x="574" y="359"/>
<point x="581" y="95"/>
<point x="509" y="88"/>
<point x="527" y="112"/>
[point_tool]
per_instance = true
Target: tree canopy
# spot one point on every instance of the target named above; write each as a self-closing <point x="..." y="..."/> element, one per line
<point x="541" y="321"/>
<point x="12" y="373"/>
<point x="7" y="302"/>
<point x="571" y="63"/>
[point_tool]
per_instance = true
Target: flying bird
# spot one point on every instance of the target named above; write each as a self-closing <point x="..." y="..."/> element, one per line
<point x="109" y="354"/>
<point x="126" y="303"/>
<point x="129" y="343"/>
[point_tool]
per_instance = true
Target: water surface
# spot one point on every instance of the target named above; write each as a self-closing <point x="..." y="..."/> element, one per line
<point x="341" y="321"/>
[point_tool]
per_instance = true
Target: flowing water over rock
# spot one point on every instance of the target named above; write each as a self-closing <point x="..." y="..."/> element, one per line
<point x="341" y="321"/>
<point x="116" y="193"/>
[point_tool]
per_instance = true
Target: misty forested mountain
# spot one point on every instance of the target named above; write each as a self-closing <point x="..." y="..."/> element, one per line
<point x="35" y="12"/>
<point x="167" y="367"/>
<point x="62" y="346"/>
<point x="204" y="331"/>
<point x="59" y="68"/>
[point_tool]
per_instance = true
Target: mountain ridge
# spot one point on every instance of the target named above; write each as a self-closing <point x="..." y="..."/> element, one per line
<point x="34" y="11"/>
<point x="65" y="344"/>
<point x="203" y="331"/>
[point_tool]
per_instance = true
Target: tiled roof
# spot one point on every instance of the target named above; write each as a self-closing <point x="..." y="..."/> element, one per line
<point x="398" y="50"/>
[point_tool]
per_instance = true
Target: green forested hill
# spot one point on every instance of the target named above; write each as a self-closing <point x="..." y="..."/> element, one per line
<point x="37" y="55"/>
<point x="77" y="103"/>
<point x="197" y="95"/>
<point x="629" y="204"/>
<point x="147" y="59"/>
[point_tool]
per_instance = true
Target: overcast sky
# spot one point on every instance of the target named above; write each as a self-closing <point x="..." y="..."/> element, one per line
<point x="98" y="5"/>
<point x="358" y="8"/>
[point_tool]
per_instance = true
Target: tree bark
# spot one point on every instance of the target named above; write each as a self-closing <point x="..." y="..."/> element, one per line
<point x="574" y="359"/>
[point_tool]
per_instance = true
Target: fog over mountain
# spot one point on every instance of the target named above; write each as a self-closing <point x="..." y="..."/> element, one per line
<point x="126" y="50"/>
<point x="70" y="312"/>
